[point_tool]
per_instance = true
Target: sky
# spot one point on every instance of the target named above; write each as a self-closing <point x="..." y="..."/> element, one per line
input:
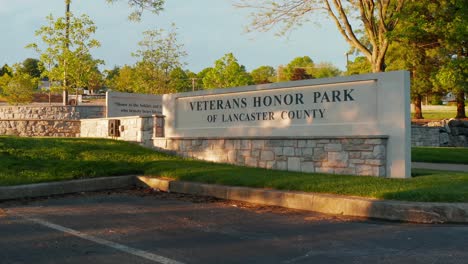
<point x="208" y="29"/>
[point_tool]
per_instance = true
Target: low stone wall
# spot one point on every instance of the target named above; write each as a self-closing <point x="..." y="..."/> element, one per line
<point x="354" y="155"/>
<point x="135" y="128"/>
<point x="445" y="133"/>
<point x="45" y="120"/>
<point x="51" y="112"/>
<point x="40" y="128"/>
<point x="428" y="137"/>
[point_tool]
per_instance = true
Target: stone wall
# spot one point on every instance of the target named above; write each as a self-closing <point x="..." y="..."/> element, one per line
<point x="339" y="155"/>
<point x="135" y="128"/>
<point x="51" y="112"/>
<point x="445" y="133"/>
<point x="428" y="137"/>
<point x="353" y="156"/>
<point x="40" y="128"/>
<point x="45" y="120"/>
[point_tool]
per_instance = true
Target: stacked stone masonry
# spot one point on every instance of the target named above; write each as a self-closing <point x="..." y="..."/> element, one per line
<point x="352" y="156"/>
<point x="53" y="121"/>
<point x="40" y="128"/>
<point x="444" y="133"/>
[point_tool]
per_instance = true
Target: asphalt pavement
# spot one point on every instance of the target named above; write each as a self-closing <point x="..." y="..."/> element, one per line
<point x="136" y="226"/>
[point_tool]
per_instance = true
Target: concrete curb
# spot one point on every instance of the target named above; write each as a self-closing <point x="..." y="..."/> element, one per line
<point x="416" y="212"/>
<point x="64" y="187"/>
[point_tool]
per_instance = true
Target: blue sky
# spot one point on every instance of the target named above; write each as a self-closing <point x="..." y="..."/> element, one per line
<point x="207" y="28"/>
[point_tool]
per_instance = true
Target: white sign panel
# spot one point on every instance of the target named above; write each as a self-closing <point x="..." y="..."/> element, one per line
<point x="298" y="106"/>
<point x="130" y="104"/>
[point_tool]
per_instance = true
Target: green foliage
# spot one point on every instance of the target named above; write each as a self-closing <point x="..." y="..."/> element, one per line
<point x="263" y="74"/>
<point x="290" y="70"/>
<point x="227" y="72"/>
<point x="179" y="81"/>
<point x="155" y="6"/>
<point x="159" y="54"/>
<point x="435" y="99"/>
<point x="66" y="57"/>
<point x="4" y="80"/>
<point x="32" y="67"/>
<point x="299" y="74"/>
<point x="201" y="75"/>
<point x="325" y="70"/>
<point x="6" y="70"/>
<point x="147" y="78"/>
<point x="124" y="79"/>
<point x="360" y="65"/>
<point x="20" y="88"/>
<point x="454" y="75"/>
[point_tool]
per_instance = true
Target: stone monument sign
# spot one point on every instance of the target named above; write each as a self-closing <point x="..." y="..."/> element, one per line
<point x="369" y="107"/>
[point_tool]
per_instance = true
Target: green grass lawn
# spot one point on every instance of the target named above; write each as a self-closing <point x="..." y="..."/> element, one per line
<point x="440" y="155"/>
<point x="32" y="160"/>
<point x="438" y="115"/>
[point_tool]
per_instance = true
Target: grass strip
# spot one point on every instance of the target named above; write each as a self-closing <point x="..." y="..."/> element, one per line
<point x="33" y="160"/>
<point x="440" y="155"/>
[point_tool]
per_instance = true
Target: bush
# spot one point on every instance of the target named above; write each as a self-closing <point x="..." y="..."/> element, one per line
<point x="20" y="89"/>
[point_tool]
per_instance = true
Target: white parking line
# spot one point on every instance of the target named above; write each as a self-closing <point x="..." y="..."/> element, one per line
<point x="117" y="246"/>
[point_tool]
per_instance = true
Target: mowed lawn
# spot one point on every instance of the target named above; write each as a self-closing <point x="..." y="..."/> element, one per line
<point x="33" y="160"/>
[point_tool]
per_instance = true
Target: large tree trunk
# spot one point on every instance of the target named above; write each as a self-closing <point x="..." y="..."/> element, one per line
<point x="461" y="104"/>
<point x="418" y="107"/>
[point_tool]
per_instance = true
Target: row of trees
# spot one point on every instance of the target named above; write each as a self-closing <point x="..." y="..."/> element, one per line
<point x="147" y="77"/>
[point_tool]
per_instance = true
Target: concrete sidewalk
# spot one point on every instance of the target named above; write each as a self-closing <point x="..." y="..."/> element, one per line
<point x="439" y="166"/>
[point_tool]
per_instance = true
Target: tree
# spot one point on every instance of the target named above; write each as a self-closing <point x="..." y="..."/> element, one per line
<point x="227" y="72"/>
<point x="376" y="19"/>
<point x="454" y="76"/>
<point x="305" y="63"/>
<point x="19" y="89"/>
<point x="263" y="74"/>
<point x="412" y="48"/>
<point x="110" y="76"/>
<point x="123" y="82"/>
<point x="201" y="75"/>
<point x="299" y="74"/>
<point x="451" y="28"/>
<point x="179" y="81"/>
<point x="5" y="70"/>
<point x="290" y="72"/>
<point x="32" y="67"/>
<point x="67" y="58"/>
<point x="160" y="52"/>
<point x="4" y="80"/>
<point x="325" y="70"/>
<point x="149" y="79"/>
<point x="85" y="73"/>
<point x="196" y="83"/>
<point x="360" y="65"/>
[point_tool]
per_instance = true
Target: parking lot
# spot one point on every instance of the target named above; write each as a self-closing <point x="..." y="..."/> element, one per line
<point x="137" y="226"/>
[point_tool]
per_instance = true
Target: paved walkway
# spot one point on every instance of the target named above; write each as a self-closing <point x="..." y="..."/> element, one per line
<point x="440" y="166"/>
